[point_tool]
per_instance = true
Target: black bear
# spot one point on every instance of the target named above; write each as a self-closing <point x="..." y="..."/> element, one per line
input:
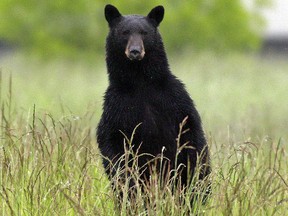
<point x="142" y="91"/>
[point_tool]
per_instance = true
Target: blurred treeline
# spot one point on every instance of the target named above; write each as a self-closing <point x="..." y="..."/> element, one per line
<point x="67" y="27"/>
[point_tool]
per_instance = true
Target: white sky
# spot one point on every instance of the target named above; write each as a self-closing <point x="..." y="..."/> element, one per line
<point x="276" y="17"/>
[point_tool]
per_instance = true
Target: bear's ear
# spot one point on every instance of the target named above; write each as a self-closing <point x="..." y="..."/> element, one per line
<point x="111" y="13"/>
<point x="157" y="14"/>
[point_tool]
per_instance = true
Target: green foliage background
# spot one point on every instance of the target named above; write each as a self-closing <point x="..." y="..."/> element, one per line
<point x="67" y="27"/>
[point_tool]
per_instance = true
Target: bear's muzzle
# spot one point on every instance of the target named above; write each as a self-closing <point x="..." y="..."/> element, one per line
<point x="135" y="48"/>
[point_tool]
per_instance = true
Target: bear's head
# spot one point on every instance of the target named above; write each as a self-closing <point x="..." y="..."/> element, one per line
<point x="133" y="36"/>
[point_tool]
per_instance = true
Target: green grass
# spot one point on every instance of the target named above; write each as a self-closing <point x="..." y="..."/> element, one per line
<point x="50" y="164"/>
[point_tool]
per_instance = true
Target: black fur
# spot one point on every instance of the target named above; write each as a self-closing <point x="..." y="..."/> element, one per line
<point x="146" y="92"/>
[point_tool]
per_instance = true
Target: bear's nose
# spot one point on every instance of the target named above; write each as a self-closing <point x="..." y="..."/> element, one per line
<point x="135" y="48"/>
<point x="135" y="52"/>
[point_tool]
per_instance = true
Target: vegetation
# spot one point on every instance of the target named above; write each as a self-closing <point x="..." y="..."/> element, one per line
<point x="50" y="164"/>
<point x="65" y="28"/>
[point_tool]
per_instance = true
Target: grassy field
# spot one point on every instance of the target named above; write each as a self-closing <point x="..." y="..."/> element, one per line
<point x="50" y="164"/>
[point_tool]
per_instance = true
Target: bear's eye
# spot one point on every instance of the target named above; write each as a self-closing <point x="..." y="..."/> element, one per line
<point x="126" y="32"/>
<point x="143" y="32"/>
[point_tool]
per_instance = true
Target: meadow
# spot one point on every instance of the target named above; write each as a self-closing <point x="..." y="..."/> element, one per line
<point x="50" y="163"/>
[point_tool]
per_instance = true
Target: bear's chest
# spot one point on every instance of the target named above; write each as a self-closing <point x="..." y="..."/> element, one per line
<point x="154" y="111"/>
<point x="155" y="116"/>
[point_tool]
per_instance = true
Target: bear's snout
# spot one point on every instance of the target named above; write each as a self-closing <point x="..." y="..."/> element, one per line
<point x="135" y="48"/>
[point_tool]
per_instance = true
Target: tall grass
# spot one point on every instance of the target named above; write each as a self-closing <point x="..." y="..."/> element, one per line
<point x="50" y="164"/>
